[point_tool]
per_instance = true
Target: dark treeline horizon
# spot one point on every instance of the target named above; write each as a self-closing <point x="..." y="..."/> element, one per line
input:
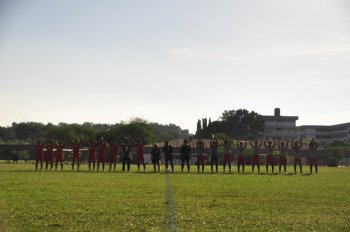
<point x="25" y="132"/>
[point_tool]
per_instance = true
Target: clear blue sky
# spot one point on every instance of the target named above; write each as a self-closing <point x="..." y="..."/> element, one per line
<point x="173" y="61"/>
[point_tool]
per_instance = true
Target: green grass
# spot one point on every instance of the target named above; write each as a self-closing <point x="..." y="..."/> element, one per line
<point x="84" y="201"/>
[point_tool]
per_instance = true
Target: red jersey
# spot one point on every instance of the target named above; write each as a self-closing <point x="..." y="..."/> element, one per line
<point x="59" y="153"/>
<point x="92" y="150"/>
<point x="139" y="150"/>
<point x="39" y="151"/>
<point x="76" y="149"/>
<point x="50" y="148"/>
<point x="114" y="152"/>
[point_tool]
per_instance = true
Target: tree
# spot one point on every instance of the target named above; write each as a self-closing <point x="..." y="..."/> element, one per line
<point x="199" y="125"/>
<point x="235" y="123"/>
<point x="7" y="134"/>
<point x="27" y="130"/>
<point x="137" y="128"/>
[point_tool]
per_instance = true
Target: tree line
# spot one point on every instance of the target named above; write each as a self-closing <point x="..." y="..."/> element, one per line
<point x="151" y="132"/>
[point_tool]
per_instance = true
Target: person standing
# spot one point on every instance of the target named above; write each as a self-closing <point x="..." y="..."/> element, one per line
<point x="214" y="146"/>
<point x="101" y="153"/>
<point x="92" y="155"/>
<point x="240" y="150"/>
<point x="59" y="155"/>
<point x="49" y="154"/>
<point x="269" y="151"/>
<point x="140" y="154"/>
<point x="155" y="156"/>
<point x="200" y="154"/>
<point x="227" y="154"/>
<point x="126" y="147"/>
<point x="76" y="152"/>
<point x="256" y="153"/>
<point x="313" y="155"/>
<point x="186" y="153"/>
<point x="114" y="150"/>
<point x="168" y="155"/>
<point x="296" y="153"/>
<point x="39" y="152"/>
<point x="283" y="155"/>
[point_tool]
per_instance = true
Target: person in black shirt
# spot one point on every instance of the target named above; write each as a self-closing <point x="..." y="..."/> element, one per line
<point x="168" y="155"/>
<point x="155" y="156"/>
<point x="126" y="146"/>
<point x="185" y="152"/>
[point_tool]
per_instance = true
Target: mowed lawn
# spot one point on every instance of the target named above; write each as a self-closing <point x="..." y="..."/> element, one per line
<point x="84" y="201"/>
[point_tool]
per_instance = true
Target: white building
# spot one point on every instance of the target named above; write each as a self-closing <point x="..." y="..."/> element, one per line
<point x="280" y="126"/>
<point x="339" y="132"/>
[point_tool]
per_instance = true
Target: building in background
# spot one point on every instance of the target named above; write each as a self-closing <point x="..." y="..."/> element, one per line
<point x="321" y="133"/>
<point x="280" y="126"/>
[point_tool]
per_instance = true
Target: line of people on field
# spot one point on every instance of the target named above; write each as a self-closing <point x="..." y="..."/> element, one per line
<point x="99" y="146"/>
<point x="97" y="154"/>
<point x="269" y="145"/>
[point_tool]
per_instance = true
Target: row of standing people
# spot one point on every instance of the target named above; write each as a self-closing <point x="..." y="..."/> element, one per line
<point x="269" y="145"/>
<point x="54" y="154"/>
<point x="167" y="151"/>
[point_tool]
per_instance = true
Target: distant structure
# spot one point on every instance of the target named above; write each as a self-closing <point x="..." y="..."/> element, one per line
<point x="340" y="132"/>
<point x="280" y="126"/>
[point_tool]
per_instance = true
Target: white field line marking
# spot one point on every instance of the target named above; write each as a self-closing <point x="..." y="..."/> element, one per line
<point x="170" y="211"/>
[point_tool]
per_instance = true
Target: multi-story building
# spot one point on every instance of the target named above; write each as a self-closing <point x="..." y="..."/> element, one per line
<point x="280" y="126"/>
<point x="325" y="133"/>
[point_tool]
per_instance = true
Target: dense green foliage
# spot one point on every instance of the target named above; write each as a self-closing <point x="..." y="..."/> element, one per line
<point x="233" y="123"/>
<point x="24" y="132"/>
<point x="84" y="201"/>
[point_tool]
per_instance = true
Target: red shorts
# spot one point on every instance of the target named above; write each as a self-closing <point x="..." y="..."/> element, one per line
<point x="296" y="161"/>
<point x="313" y="161"/>
<point x="101" y="159"/>
<point x="59" y="158"/>
<point x="92" y="159"/>
<point x="76" y="157"/>
<point x="269" y="159"/>
<point x="227" y="158"/>
<point x="200" y="159"/>
<point x="140" y="158"/>
<point x="240" y="159"/>
<point x="283" y="160"/>
<point x="256" y="159"/>
<point x="39" y="158"/>
<point x="49" y="158"/>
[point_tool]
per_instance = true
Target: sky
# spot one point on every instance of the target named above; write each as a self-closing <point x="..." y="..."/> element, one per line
<point x="173" y="61"/>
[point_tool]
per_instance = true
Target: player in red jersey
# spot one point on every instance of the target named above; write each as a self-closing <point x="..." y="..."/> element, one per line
<point x="49" y="154"/>
<point x="240" y="150"/>
<point x="92" y="155"/>
<point x="269" y="150"/>
<point x="101" y="153"/>
<point x="256" y="151"/>
<point x="113" y="146"/>
<point x="296" y="153"/>
<point x="227" y="154"/>
<point x="283" y="155"/>
<point x="140" y="154"/>
<point x="200" y="154"/>
<point x="39" y="151"/>
<point x="59" y="155"/>
<point x="313" y="156"/>
<point x="76" y="152"/>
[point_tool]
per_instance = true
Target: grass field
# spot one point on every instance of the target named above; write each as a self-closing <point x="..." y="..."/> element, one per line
<point x="84" y="201"/>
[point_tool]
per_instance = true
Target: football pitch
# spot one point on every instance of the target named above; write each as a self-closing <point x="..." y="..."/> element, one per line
<point x="109" y="201"/>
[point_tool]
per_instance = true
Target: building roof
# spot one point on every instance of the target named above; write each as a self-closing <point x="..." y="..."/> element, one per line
<point x="291" y="118"/>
